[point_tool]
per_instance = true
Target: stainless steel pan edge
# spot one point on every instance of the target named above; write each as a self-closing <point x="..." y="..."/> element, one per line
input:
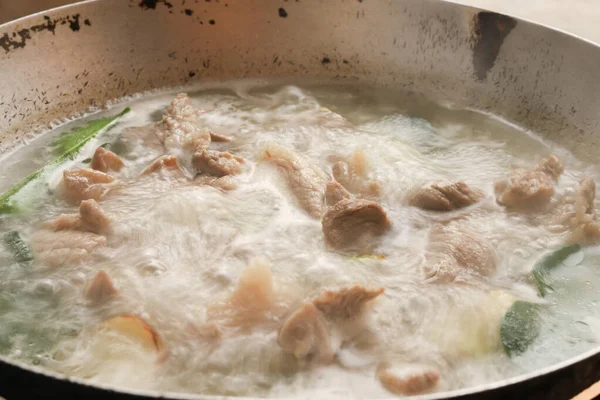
<point x="58" y="64"/>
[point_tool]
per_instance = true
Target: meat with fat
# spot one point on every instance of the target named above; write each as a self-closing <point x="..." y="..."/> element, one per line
<point x="217" y="163"/>
<point x="455" y="252"/>
<point x="354" y="224"/>
<point x="530" y="189"/>
<point x="85" y="183"/>
<point x="105" y="160"/>
<point x="445" y="196"/>
<point x="306" y="180"/>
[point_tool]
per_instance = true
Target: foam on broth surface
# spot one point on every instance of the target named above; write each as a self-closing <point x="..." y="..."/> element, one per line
<point x="175" y="250"/>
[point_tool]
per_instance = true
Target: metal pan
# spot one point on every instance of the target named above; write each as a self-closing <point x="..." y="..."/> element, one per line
<point x="58" y="64"/>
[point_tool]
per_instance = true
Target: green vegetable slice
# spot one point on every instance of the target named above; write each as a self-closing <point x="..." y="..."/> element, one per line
<point x="65" y="147"/>
<point x="17" y="246"/>
<point x="520" y="327"/>
<point x="521" y="323"/>
<point x="542" y="268"/>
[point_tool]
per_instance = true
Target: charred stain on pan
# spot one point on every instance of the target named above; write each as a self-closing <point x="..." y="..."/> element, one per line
<point x="18" y="39"/>
<point x="282" y="12"/>
<point x="489" y="31"/>
<point x="151" y="4"/>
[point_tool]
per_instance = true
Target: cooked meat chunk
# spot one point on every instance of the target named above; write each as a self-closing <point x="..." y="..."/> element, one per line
<point x="577" y="214"/>
<point x="335" y="192"/>
<point x="528" y="189"/>
<point x="215" y="137"/>
<point x="105" y="160"/>
<point x="64" y="247"/>
<point x="164" y="165"/>
<point x="454" y="252"/>
<point x="353" y="175"/>
<point x="91" y="218"/>
<point x="445" y="196"/>
<point x="85" y="183"/>
<point x="217" y="163"/>
<point x="223" y="183"/>
<point x="305" y="333"/>
<point x="410" y="381"/>
<point x="178" y="128"/>
<point x="306" y="181"/>
<point x="345" y="303"/>
<point x="100" y="289"/>
<point x="353" y="224"/>
<point x="250" y="302"/>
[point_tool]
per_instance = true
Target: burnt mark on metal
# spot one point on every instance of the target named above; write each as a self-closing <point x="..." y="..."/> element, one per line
<point x="489" y="31"/>
<point x="191" y="74"/>
<point x="74" y="23"/>
<point x="189" y="12"/>
<point x="212" y="22"/>
<point x="151" y="4"/>
<point x="325" y="60"/>
<point x="282" y="12"/>
<point x="18" y="39"/>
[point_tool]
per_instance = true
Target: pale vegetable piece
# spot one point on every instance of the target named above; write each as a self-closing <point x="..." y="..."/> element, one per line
<point x="105" y="160"/>
<point x="85" y="183"/>
<point x="306" y="180"/>
<point x="483" y="318"/>
<point x="101" y="288"/>
<point x="135" y="329"/>
<point x="410" y="380"/>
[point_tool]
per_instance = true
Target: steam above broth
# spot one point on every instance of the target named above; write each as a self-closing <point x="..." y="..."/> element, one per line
<point x="265" y="239"/>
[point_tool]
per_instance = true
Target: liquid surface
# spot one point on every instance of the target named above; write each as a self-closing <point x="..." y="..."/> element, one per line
<point x="178" y="250"/>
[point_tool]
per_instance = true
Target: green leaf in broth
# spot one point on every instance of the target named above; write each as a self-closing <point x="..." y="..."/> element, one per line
<point x="73" y="141"/>
<point x="541" y="269"/>
<point x="17" y="247"/>
<point x="521" y="323"/>
<point x="66" y="146"/>
<point x="520" y="327"/>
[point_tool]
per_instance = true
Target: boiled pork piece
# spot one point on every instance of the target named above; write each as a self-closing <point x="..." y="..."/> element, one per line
<point x="105" y="160"/>
<point x="530" y="189"/>
<point x="354" y="224"/>
<point x="445" y="196"/>
<point x="217" y="163"/>
<point x="306" y="180"/>
<point x="85" y="183"/>
<point x="455" y="252"/>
